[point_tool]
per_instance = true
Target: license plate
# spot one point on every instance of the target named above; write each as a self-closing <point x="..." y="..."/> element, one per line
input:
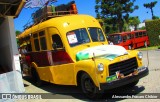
<point x="111" y="78"/>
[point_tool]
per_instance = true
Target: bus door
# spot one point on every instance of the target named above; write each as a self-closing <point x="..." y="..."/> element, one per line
<point x="127" y="42"/>
<point x="124" y="43"/>
<point x="39" y="55"/>
<point x="133" y="40"/>
<point x="62" y="65"/>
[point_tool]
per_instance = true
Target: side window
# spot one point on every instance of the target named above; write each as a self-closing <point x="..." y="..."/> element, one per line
<point x="129" y="36"/>
<point x="124" y="38"/>
<point x="57" y="41"/>
<point x="36" y="42"/>
<point x="28" y="41"/>
<point x="144" y="34"/>
<point x="42" y="40"/>
<point x="140" y="34"/>
<point x="43" y="43"/>
<point x="136" y="35"/>
<point x="96" y="34"/>
<point x="132" y="36"/>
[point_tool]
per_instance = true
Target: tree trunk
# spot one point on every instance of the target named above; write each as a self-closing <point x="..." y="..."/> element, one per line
<point x="135" y="27"/>
<point x="121" y="24"/>
<point x="120" y="28"/>
<point x="152" y="12"/>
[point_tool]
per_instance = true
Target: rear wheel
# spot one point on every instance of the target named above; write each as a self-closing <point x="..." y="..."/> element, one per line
<point x="38" y="82"/>
<point x="88" y="87"/>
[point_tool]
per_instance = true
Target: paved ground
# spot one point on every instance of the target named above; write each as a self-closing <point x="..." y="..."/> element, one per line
<point x="149" y="84"/>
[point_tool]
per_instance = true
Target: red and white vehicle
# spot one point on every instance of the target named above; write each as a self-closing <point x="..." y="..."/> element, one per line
<point x="130" y="40"/>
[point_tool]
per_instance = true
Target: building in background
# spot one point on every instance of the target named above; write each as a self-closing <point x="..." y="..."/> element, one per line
<point x="132" y="28"/>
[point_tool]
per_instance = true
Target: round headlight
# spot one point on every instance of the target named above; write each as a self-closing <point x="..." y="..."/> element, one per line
<point x="100" y="67"/>
<point x="140" y="55"/>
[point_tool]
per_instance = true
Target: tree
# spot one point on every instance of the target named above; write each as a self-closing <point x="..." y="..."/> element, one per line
<point x="150" y="5"/>
<point x="155" y="17"/>
<point x="117" y="10"/>
<point x="134" y="21"/>
<point x="18" y="32"/>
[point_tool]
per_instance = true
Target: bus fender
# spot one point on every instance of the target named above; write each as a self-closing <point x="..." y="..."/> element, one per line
<point x="82" y="71"/>
<point x="34" y="65"/>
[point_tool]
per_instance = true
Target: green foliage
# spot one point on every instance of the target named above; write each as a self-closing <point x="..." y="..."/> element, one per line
<point x="143" y="28"/>
<point x="116" y="11"/>
<point x="18" y="32"/>
<point x="151" y="5"/>
<point x="155" y="17"/>
<point x="134" y="21"/>
<point x="153" y="30"/>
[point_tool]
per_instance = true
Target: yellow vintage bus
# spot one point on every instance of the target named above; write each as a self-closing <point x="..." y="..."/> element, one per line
<point x="73" y="50"/>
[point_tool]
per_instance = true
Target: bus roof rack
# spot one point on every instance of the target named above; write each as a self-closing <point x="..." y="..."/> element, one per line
<point x="51" y="11"/>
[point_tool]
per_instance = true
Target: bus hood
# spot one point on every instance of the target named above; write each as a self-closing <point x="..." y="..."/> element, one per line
<point x="109" y="52"/>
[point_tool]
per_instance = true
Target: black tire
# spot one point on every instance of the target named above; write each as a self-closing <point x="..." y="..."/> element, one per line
<point x="89" y="89"/>
<point x="38" y="82"/>
<point x="130" y="85"/>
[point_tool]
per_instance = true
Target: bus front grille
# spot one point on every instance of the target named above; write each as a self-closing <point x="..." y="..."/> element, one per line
<point x="125" y="67"/>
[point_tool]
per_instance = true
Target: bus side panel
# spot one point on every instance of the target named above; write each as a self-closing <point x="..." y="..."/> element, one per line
<point x="61" y="57"/>
<point x="63" y="68"/>
<point x="140" y="42"/>
<point x="54" y="69"/>
<point x="45" y="74"/>
<point x="42" y="62"/>
<point x="63" y="74"/>
<point x="126" y="42"/>
<point x="140" y="38"/>
<point x="40" y="58"/>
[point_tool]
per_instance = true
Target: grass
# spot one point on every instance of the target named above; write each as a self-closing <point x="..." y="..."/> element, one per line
<point x="149" y="48"/>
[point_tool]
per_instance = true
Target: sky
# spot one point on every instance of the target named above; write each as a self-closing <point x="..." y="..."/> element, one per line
<point x="87" y="7"/>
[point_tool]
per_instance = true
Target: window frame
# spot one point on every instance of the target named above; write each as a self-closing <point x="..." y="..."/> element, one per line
<point x="72" y="45"/>
<point x="62" y="45"/>
<point x="38" y="36"/>
<point x="96" y="33"/>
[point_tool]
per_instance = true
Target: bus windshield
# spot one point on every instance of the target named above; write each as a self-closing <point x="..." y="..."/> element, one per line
<point x="115" y="39"/>
<point x="80" y="36"/>
<point x="77" y="37"/>
<point x="96" y="34"/>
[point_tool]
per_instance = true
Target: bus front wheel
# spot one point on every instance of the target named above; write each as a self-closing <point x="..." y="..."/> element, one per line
<point x="88" y="87"/>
